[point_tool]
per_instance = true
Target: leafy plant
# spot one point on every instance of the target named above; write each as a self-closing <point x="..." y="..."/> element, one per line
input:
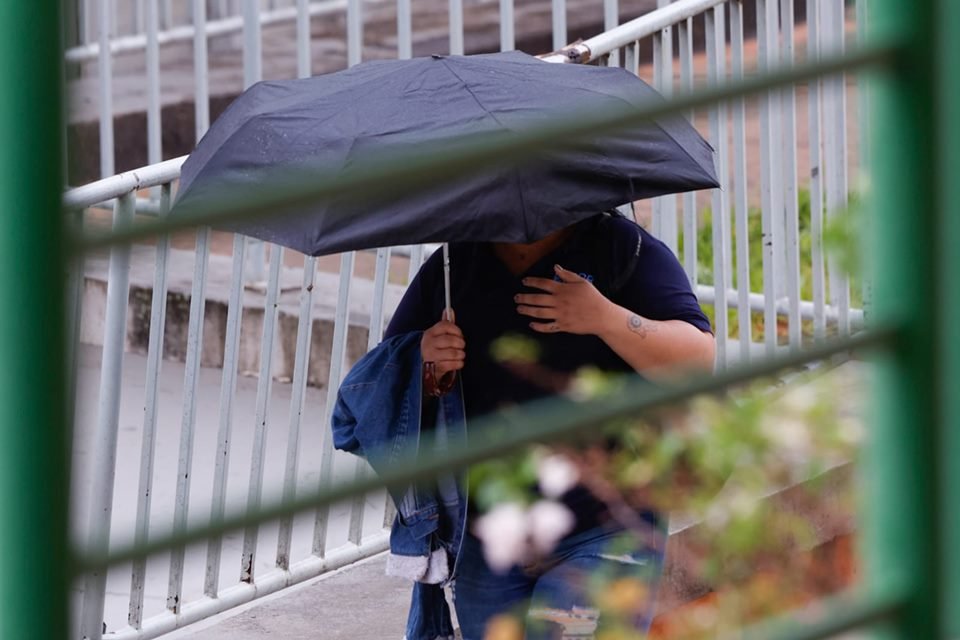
<point x="842" y="242"/>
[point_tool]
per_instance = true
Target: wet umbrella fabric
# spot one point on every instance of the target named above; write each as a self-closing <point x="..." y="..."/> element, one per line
<point x="399" y="105"/>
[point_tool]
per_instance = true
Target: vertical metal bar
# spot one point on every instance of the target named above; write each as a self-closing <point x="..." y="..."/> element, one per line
<point x="715" y="39"/>
<point x="154" y="149"/>
<point x="791" y="211"/>
<point x="948" y="209"/>
<point x="264" y="383"/>
<point x="374" y="335"/>
<point x="297" y="392"/>
<point x="83" y="22"/>
<point x="105" y="81"/>
<point x="166" y="13"/>
<point x="252" y="60"/>
<point x="416" y="261"/>
<point x="158" y="314"/>
<point x="200" y="73"/>
<point x="631" y="57"/>
<point x="337" y="357"/>
<point x="198" y="294"/>
<point x="228" y="388"/>
<point x="777" y="200"/>
<point x="863" y="135"/>
<point x="835" y="123"/>
<point x="34" y="432"/>
<point x="663" y="62"/>
<point x="254" y="266"/>
<point x="354" y="32"/>
<point x="456" y="27"/>
<point x="137" y="15"/>
<point x="380" y="277"/>
<point x="559" y="23"/>
<point x="768" y="182"/>
<point x="611" y="18"/>
<point x="303" y="39"/>
<point x="507" y="39"/>
<point x="404" y="30"/>
<point x="656" y="205"/>
<point x="74" y="308"/>
<point x="690" y="230"/>
<point x="253" y="73"/>
<point x="739" y="173"/>
<point x="818" y="275"/>
<point x="108" y="416"/>
<point x="903" y="534"/>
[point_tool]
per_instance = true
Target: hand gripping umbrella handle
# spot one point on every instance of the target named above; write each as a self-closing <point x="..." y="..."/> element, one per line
<point x="446" y="280"/>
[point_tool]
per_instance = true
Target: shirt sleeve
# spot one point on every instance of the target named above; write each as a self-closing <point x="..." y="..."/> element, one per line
<point x="658" y="287"/>
<point x="414" y="313"/>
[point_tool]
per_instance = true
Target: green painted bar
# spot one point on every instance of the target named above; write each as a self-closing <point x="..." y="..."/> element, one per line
<point x="830" y="617"/>
<point x="34" y="460"/>
<point x="901" y="533"/>
<point x="949" y="233"/>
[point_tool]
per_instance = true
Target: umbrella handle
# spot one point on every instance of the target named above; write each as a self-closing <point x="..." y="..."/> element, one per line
<point x="446" y="280"/>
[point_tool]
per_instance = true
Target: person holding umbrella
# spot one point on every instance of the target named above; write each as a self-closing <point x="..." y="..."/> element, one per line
<point x="601" y="293"/>
<point x="530" y="257"/>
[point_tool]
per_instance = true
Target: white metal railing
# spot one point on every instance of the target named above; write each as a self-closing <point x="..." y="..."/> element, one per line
<point x="673" y="218"/>
<point x="121" y="190"/>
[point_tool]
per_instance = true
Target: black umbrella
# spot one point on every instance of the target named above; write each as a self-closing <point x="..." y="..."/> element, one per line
<point x="400" y="105"/>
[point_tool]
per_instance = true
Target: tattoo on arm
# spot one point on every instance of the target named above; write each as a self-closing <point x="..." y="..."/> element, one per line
<point x="640" y="326"/>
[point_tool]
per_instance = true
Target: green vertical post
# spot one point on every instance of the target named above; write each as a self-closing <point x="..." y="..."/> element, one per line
<point x="901" y="530"/>
<point x="948" y="209"/>
<point x="34" y="456"/>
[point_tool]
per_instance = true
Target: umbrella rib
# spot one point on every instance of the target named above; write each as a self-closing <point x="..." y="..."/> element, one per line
<point x="654" y="122"/>
<point x="513" y="172"/>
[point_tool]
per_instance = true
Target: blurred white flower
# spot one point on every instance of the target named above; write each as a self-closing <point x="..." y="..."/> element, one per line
<point x="717" y="515"/>
<point x="504" y="533"/>
<point x="513" y="535"/>
<point x="556" y="475"/>
<point x="850" y="430"/>
<point x="800" y="398"/>
<point x="742" y="503"/>
<point x="547" y="522"/>
<point x="790" y="434"/>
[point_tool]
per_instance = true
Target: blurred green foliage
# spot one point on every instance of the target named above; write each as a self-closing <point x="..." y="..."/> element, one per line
<point x="842" y="244"/>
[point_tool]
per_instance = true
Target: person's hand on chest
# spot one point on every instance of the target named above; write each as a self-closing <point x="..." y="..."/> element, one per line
<point x="570" y="304"/>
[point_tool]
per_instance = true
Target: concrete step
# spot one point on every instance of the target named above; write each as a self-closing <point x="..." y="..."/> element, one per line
<point x="180" y="276"/>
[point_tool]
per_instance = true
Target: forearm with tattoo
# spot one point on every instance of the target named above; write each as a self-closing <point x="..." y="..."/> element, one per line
<point x="639" y="326"/>
<point x="659" y="349"/>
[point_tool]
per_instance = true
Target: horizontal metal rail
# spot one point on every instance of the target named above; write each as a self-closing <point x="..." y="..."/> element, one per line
<point x="121" y="184"/>
<point x="381" y="176"/>
<point x="545" y="420"/>
<point x="629" y="32"/>
<point x="185" y="33"/>
<point x="707" y="294"/>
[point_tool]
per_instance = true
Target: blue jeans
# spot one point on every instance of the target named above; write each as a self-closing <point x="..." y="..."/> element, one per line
<point x="558" y="596"/>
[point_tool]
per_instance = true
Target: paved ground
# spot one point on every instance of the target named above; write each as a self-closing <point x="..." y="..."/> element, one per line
<point x="356" y="603"/>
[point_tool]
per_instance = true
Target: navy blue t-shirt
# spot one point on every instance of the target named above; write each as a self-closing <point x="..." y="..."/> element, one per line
<point x="604" y="250"/>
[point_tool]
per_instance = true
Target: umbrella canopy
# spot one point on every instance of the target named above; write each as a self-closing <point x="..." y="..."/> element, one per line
<point x="399" y="105"/>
